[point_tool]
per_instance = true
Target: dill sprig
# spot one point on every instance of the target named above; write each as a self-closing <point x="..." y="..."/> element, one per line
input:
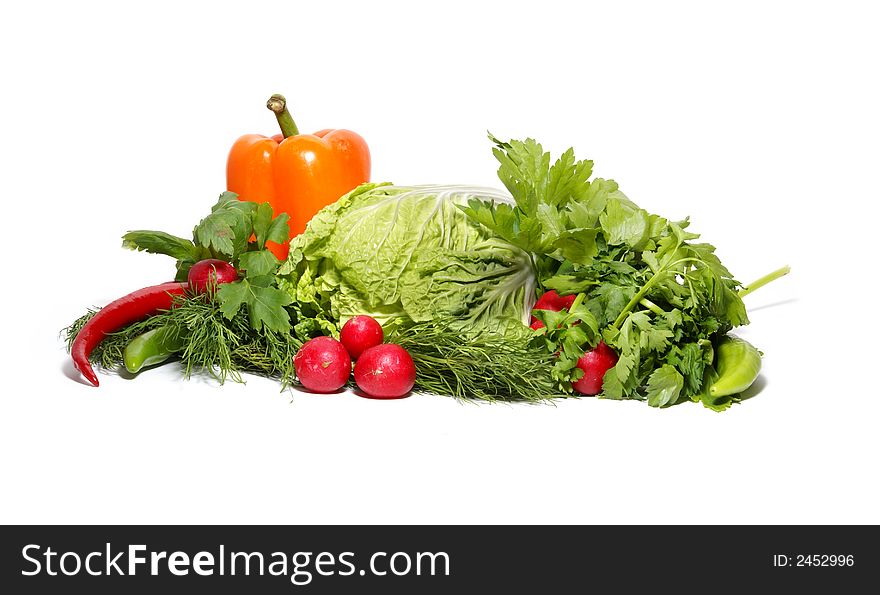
<point x="225" y="348"/>
<point x="482" y="366"/>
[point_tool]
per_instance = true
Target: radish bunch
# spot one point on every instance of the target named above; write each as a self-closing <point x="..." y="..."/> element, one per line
<point x="595" y="362"/>
<point x="381" y="371"/>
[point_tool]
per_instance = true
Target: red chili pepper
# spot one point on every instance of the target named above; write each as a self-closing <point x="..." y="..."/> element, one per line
<point x="117" y="314"/>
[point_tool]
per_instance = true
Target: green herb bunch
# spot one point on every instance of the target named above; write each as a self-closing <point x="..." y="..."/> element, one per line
<point x="481" y="366"/>
<point x="213" y="343"/>
<point x="647" y="288"/>
<point x="238" y="232"/>
<point x="249" y="325"/>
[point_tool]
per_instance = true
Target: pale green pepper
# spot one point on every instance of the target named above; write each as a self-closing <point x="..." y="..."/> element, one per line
<point x="151" y="348"/>
<point x="738" y="364"/>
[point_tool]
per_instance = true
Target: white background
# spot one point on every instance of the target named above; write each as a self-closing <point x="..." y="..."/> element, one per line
<point x="760" y="120"/>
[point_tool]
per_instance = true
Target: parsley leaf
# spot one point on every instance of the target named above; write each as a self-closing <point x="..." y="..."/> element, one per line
<point x="567" y="179"/>
<point x="259" y="263"/>
<point x="624" y="225"/>
<point x="268" y="229"/>
<point x="664" y="386"/>
<point x="159" y="242"/>
<point x="524" y="170"/>
<point x="229" y="226"/>
<point x="265" y="304"/>
<point x="578" y="245"/>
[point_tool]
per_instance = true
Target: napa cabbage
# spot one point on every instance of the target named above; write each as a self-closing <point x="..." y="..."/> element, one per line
<point x="410" y="252"/>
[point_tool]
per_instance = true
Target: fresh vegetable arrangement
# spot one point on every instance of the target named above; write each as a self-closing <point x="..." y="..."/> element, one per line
<point x="562" y="287"/>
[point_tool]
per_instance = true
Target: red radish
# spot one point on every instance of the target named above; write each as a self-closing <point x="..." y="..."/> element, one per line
<point x="536" y="324"/>
<point x="322" y="365"/>
<point x="594" y="363"/>
<point x="359" y="334"/>
<point x="554" y="302"/>
<point x="210" y="273"/>
<point x="385" y="372"/>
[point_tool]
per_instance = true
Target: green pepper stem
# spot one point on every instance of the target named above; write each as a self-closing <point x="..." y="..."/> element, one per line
<point x="278" y="105"/>
<point x="746" y="290"/>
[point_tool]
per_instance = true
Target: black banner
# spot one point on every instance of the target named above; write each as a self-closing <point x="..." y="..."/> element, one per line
<point x="428" y="559"/>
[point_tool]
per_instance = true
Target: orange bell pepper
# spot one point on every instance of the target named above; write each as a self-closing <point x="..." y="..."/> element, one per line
<point x="298" y="174"/>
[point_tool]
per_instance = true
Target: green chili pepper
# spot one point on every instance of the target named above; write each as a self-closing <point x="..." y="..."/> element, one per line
<point x="151" y="348"/>
<point x="738" y="363"/>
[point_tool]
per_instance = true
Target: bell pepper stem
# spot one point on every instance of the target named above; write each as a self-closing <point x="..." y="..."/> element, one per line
<point x="278" y="105"/>
<point x="764" y="281"/>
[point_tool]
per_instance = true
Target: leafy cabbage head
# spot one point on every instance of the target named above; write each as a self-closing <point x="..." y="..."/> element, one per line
<point x="410" y="252"/>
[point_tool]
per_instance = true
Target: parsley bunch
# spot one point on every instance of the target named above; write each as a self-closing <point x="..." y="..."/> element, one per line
<point x="645" y="286"/>
<point x="237" y="231"/>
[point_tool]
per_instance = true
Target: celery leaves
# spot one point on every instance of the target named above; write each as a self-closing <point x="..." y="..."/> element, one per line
<point x="654" y="295"/>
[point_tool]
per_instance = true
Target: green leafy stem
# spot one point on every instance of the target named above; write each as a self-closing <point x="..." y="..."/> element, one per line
<point x="759" y="283"/>
<point x="640" y="295"/>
